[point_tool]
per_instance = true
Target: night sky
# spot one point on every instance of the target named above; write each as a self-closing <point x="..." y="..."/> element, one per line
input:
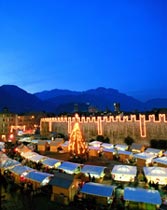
<point x="85" y="44"/>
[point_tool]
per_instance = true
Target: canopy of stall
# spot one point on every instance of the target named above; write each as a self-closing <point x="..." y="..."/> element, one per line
<point x="107" y="145"/>
<point x="154" y="151"/>
<point x="156" y="174"/>
<point x="36" y="158"/>
<point x="69" y="167"/>
<point x="121" y="146"/>
<point x="97" y="189"/>
<point x="124" y="172"/>
<point x="148" y="157"/>
<point x="23" y="149"/>
<point x="95" y="143"/>
<point x="161" y="160"/>
<point x="9" y="163"/>
<point x="19" y="169"/>
<point x="27" y="155"/>
<point x="142" y="195"/>
<point x="51" y="162"/>
<point x="40" y="177"/>
<point x="96" y="171"/>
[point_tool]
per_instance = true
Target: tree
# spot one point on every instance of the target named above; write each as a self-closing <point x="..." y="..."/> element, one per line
<point x="100" y="138"/>
<point x="154" y="143"/>
<point x="128" y="140"/>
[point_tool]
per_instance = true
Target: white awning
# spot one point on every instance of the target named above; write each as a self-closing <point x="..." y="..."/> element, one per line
<point x="155" y="171"/>
<point x="162" y="160"/>
<point x="124" y="169"/>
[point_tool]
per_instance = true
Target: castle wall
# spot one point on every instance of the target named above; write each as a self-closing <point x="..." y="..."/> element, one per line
<point x="116" y="128"/>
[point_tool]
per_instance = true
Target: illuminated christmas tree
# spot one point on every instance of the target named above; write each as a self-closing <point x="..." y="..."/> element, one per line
<point x="77" y="146"/>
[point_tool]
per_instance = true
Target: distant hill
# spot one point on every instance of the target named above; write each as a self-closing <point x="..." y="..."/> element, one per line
<point x="156" y="103"/>
<point x="19" y="101"/>
<point x="58" y="101"/>
<point x="101" y="98"/>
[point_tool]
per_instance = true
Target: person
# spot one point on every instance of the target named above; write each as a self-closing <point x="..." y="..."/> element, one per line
<point x="93" y="179"/>
<point x="89" y="177"/>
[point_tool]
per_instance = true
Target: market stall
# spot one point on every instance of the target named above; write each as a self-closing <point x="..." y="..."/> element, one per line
<point x="51" y="163"/>
<point x="137" y="148"/>
<point x="18" y="171"/>
<point x="103" y="194"/>
<point x="161" y="161"/>
<point x="54" y="145"/>
<point x="64" y="188"/>
<point x="107" y="145"/>
<point x="124" y="155"/>
<point x="29" y="154"/>
<point x="42" y="145"/>
<point x="156" y="152"/>
<point x="94" y="151"/>
<point x="3" y="158"/>
<point x="38" y="179"/>
<point x="7" y="164"/>
<point x="121" y="147"/>
<point x="23" y="149"/>
<point x="108" y="153"/>
<point x="64" y="147"/>
<point x="125" y="173"/>
<point x="140" y="198"/>
<point x="37" y="158"/>
<point x="144" y="158"/>
<point x="94" y="172"/>
<point x="95" y="143"/>
<point x="156" y="174"/>
<point x="69" y="167"/>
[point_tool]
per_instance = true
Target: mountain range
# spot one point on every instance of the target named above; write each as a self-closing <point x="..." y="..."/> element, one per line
<point x="58" y="101"/>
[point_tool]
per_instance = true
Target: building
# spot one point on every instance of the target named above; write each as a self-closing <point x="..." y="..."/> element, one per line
<point x="142" y="128"/>
<point x="12" y="125"/>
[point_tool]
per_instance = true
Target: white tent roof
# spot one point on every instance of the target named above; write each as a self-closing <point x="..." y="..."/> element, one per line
<point x="35" y="141"/>
<point x="9" y="163"/>
<point x="3" y="160"/>
<point x="124" y="152"/>
<point x="69" y="166"/>
<point x="38" y="176"/>
<point x="97" y="189"/>
<point x="28" y="154"/>
<point x="2" y="145"/>
<point x="144" y="155"/>
<point x="36" y="158"/>
<point x="95" y="143"/>
<point x="93" y="148"/>
<point x="153" y="150"/>
<point x="107" y="145"/>
<point x="121" y="146"/>
<point x="162" y="160"/>
<point x="155" y="171"/>
<point x="66" y="143"/>
<point x="19" y="169"/>
<point x="142" y="195"/>
<point x="93" y="170"/>
<point x="51" y="162"/>
<point x="124" y="169"/>
<point x="112" y="150"/>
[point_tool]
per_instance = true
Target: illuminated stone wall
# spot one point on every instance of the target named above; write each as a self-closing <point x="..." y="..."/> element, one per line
<point x="115" y="128"/>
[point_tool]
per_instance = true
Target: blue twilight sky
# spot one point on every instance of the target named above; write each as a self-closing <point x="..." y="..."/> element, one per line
<point x="85" y="44"/>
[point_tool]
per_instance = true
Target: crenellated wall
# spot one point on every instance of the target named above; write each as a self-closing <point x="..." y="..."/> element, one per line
<point x="116" y="128"/>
